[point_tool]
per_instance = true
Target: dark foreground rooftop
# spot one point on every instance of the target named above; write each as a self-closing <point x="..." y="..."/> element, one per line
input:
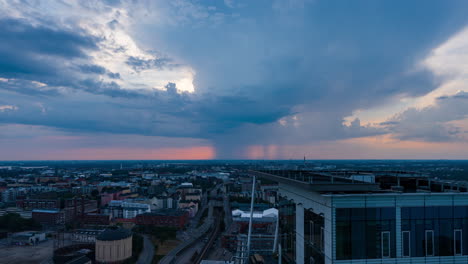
<point x="361" y="181"/>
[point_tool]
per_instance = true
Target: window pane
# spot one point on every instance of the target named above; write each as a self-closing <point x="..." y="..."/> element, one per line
<point x="457" y="236"/>
<point x="322" y="239"/>
<point x="429" y="243"/>
<point x="312" y="231"/>
<point x="406" y="243"/>
<point x="385" y="244"/>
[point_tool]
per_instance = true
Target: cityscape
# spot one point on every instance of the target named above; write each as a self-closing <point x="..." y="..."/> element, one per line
<point x="243" y="211"/>
<point x="233" y="132"/>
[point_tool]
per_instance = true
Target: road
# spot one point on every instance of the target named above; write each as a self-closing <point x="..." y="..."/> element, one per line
<point x="212" y="238"/>
<point x="146" y="256"/>
<point x="192" y="237"/>
<point x="186" y="255"/>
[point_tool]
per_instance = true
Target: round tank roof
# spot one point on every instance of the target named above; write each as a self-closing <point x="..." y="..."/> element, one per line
<point x="114" y="234"/>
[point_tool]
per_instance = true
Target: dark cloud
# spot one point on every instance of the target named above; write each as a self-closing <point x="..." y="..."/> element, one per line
<point x="273" y="74"/>
<point x="326" y="58"/>
<point x="21" y="35"/>
<point x="113" y="75"/>
<point x="94" y="69"/>
<point x="40" y="53"/>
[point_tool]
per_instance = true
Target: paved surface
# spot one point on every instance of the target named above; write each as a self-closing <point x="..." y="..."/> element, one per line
<point x="40" y="253"/>
<point x="187" y="254"/>
<point x="218" y="252"/>
<point x="146" y="256"/>
<point x="192" y="237"/>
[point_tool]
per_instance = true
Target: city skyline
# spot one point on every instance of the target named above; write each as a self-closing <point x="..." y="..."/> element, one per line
<point x="189" y="80"/>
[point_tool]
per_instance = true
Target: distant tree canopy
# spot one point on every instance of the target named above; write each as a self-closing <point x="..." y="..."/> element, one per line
<point x="137" y="248"/>
<point x="13" y="222"/>
<point x="161" y="233"/>
<point x="205" y="183"/>
<point x="95" y="193"/>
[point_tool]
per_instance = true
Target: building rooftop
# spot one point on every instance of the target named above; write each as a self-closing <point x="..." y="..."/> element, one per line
<point x="50" y="211"/>
<point x="343" y="182"/>
<point x="166" y="212"/>
<point x="114" y="234"/>
<point x="272" y="212"/>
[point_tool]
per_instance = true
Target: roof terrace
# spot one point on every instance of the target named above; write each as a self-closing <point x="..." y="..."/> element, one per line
<point x="361" y="181"/>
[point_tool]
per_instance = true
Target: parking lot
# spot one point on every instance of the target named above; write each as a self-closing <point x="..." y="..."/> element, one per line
<point x="40" y="253"/>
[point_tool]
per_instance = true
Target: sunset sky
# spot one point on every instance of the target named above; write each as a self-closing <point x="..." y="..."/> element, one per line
<point x="233" y="79"/>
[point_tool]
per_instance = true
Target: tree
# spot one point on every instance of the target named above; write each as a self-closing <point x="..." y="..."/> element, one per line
<point x="13" y="222"/>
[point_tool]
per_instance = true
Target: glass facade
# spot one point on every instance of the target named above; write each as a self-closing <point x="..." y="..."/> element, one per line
<point x="287" y="213"/>
<point x="406" y="241"/>
<point x="435" y="230"/>
<point x="365" y="233"/>
<point x="313" y="237"/>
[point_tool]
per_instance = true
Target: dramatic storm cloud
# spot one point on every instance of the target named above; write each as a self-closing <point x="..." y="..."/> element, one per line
<point x="232" y="79"/>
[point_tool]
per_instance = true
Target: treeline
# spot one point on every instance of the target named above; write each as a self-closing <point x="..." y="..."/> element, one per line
<point x="13" y="222"/>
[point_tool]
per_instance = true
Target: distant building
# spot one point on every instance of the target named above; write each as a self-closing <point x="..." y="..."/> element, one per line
<point x="96" y="219"/>
<point x="188" y="189"/>
<point x="48" y="217"/>
<point x="263" y="234"/>
<point x="38" y="204"/>
<point x="165" y="217"/>
<point x="123" y="209"/>
<point x="27" y="238"/>
<point x="164" y="202"/>
<point x="15" y="210"/>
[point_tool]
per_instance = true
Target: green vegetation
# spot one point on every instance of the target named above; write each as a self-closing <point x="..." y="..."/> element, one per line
<point x="137" y="247"/>
<point x="157" y="258"/>
<point x="160" y="233"/>
<point x="222" y="225"/>
<point x="205" y="183"/>
<point x="13" y="222"/>
<point x="202" y="218"/>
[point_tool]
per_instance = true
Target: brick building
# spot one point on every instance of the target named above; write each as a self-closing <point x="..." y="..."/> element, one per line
<point x="38" y="204"/>
<point x="96" y="219"/>
<point x="48" y="217"/>
<point x="165" y="217"/>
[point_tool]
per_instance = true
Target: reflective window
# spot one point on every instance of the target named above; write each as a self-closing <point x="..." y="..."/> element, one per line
<point x="359" y="233"/>
<point x="322" y="239"/>
<point x="385" y="244"/>
<point x="312" y="238"/>
<point x="406" y="239"/>
<point x="429" y="243"/>
<point x="443" y="221"/>
<point x="457" y="242"/>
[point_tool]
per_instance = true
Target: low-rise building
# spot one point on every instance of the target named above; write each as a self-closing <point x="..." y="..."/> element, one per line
<point x="122" y="209"/>
<point x="50" y="217"/>
<point x="27" y="238"/>
<point x="96" y="219"/>
<point x="164" y="217"/>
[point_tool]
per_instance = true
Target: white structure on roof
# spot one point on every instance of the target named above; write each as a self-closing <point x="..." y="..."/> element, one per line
<point x="272" y="212"/>
<point x="187" y="184"/>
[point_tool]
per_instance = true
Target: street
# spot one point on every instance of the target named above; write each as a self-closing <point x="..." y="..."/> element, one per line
<point x="146" y="256"/>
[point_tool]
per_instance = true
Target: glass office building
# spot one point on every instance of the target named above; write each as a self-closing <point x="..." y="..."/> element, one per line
<point x="390" y="219"/>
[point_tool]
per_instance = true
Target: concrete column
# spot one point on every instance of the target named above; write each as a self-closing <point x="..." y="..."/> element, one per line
<point x="398" y="232"/>
<point x="299" y="233"/>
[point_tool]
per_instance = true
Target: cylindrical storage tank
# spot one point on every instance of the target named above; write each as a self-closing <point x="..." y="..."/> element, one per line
<point x="113" y="246"/>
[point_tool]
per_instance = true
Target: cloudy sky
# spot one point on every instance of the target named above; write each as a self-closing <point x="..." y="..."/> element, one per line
<point x="263" y="79"/>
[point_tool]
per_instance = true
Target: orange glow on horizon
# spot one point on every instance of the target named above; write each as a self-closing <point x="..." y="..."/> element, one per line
<point x="190" y="153"/>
